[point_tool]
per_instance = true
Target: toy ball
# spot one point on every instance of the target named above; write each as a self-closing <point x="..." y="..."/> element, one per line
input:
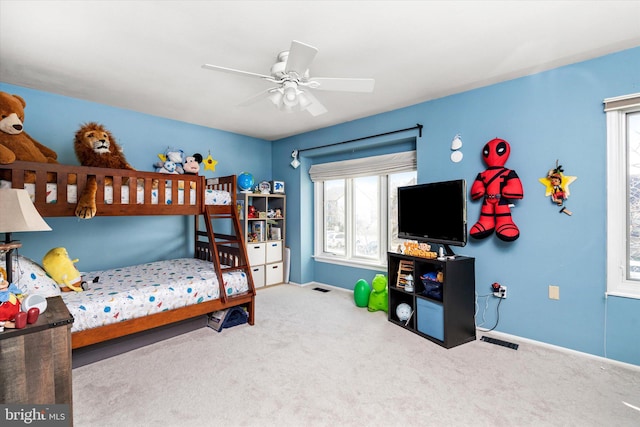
<point x="245" y="182"/>
<point x="361" y="292"/>
<point x="403" y="311"/>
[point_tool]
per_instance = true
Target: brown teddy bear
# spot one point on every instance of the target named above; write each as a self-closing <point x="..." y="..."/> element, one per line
<point x="15" y="144"/>
<point x="95" y="146"/>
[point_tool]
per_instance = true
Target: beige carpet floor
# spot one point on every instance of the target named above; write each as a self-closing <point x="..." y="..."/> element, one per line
<point x="315" y="359"/>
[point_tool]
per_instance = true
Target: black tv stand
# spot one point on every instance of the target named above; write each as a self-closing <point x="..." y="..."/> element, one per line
<point x="442" y="312"/>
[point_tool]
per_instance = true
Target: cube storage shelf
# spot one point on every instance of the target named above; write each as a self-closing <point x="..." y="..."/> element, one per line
<point x="264" y="235"/>
<point x="442" y="312"/>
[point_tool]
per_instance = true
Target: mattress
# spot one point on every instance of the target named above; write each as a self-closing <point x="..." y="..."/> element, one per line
<point x="140" y="290"/>
<point x="212" y="197"/>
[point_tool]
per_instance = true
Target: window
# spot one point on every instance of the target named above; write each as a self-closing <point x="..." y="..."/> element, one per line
<point x="623" y="196"/>
<point x="356" y="208"/>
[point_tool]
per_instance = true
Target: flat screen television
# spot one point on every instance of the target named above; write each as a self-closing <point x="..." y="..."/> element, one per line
<point x="434" y="213"/>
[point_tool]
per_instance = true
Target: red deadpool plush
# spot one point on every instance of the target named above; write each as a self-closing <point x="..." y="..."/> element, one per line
<point x="498" y="185"/>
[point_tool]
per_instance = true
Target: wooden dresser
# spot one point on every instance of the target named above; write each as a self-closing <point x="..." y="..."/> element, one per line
<point x="35" y="362"/>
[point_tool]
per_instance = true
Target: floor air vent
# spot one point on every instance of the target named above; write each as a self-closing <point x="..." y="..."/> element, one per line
<point x="500" y="342"/>
<point x="321" y="289"/>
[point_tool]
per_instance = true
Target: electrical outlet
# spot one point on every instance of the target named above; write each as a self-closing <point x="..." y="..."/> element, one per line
<point x="501" y="291"/>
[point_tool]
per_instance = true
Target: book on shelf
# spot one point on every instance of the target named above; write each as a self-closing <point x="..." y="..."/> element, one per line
<point x="275" y="233"/>
<point x="258" y="230"/>
<point x="240" y="207"/>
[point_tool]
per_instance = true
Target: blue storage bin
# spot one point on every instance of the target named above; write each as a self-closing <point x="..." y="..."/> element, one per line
<point x="430" y="317"/>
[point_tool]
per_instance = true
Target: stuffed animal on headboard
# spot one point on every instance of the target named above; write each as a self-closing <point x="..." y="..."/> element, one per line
<point x="171" y="161"/>
<point x="62" y="270"/>
<point x="166" y="166"/>
<point x="192" y="164"/>
<point x="95" y="146"/>
<point x="15" y="143"/>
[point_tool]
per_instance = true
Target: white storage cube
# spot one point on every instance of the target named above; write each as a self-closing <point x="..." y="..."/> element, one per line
<point x="274" y="273"/>
<point x="256" y="253"/>
<point x="274" y="251"/>
<point x="257" y="273"/>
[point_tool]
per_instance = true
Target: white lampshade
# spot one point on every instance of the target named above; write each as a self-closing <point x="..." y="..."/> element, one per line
<point x="290" y="98"/>
<point x="303" y="101"/>
<point x="276" y="97"/>
<point x="17" y="212"/>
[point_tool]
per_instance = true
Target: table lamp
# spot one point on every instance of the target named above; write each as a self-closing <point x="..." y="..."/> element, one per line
<point x="17" y="213"/>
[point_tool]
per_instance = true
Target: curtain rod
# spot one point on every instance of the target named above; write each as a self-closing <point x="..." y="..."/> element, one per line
<point x="417" y="126"/>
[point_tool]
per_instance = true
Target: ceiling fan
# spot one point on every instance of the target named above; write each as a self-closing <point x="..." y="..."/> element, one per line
<point x="290" y="74"/>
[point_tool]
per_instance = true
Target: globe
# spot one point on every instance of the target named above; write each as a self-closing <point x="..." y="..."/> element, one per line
<point x="245" y="182"/>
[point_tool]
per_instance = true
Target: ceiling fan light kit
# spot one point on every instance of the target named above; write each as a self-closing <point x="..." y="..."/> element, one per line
<point x="291" y="74"/>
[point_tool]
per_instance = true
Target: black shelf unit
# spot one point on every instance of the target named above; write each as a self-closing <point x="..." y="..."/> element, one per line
<point x="445" y="318"/>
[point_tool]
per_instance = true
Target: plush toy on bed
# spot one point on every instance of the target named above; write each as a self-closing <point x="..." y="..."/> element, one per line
<point x="95" y="146"/>
<point x="192" y="164"/>
<point x="15" y="143"/>
<point x="61" y="268"/>
<point x="171" y="161"/>
<point x="167" y="166"/>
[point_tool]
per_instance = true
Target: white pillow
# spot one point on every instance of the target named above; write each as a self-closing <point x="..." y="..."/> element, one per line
<point x="31" y="278"/>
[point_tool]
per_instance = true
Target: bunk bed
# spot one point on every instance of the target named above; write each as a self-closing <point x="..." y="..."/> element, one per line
<point x="217" y="278"/>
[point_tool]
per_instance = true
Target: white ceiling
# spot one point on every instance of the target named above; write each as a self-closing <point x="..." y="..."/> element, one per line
<point x="146" y="56"/>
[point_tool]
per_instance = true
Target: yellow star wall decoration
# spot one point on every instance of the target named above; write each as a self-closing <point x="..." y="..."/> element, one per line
<point x="557" y="186"/>
<point x="210" y="163"/>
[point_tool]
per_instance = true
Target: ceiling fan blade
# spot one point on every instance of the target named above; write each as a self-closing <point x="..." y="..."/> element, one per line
<point x="257" y="97"/>
<point x="315" y="108"/>
<point x="232" y="71"/>
<point x="342" y="85"/>
<point x="300" y="57"/>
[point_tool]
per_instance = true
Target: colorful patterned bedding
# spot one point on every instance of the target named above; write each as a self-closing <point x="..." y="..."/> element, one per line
<point x="212" y="197"/>
<point x="139" y="290"/>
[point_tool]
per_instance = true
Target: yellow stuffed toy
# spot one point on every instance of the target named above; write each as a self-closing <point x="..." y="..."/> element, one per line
<point x="62" y="270"/>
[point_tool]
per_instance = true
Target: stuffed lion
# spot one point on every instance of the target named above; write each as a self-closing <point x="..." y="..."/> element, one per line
<point x="96" y="147"/>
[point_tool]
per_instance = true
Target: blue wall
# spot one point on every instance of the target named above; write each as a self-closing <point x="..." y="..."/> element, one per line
<point x="105" y="242"/>
<point x="554" y="115"/>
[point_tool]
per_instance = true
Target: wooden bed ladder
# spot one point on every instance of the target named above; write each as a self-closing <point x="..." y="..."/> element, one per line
<point x="229" y="249"/>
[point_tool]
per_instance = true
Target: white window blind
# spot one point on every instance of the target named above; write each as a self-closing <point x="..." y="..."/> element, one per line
<point x="366" y="166"/>
<point x="622" y="102"/>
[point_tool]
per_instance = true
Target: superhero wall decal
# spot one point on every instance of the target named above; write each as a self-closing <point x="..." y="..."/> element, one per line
<point x="497" y="186"/>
